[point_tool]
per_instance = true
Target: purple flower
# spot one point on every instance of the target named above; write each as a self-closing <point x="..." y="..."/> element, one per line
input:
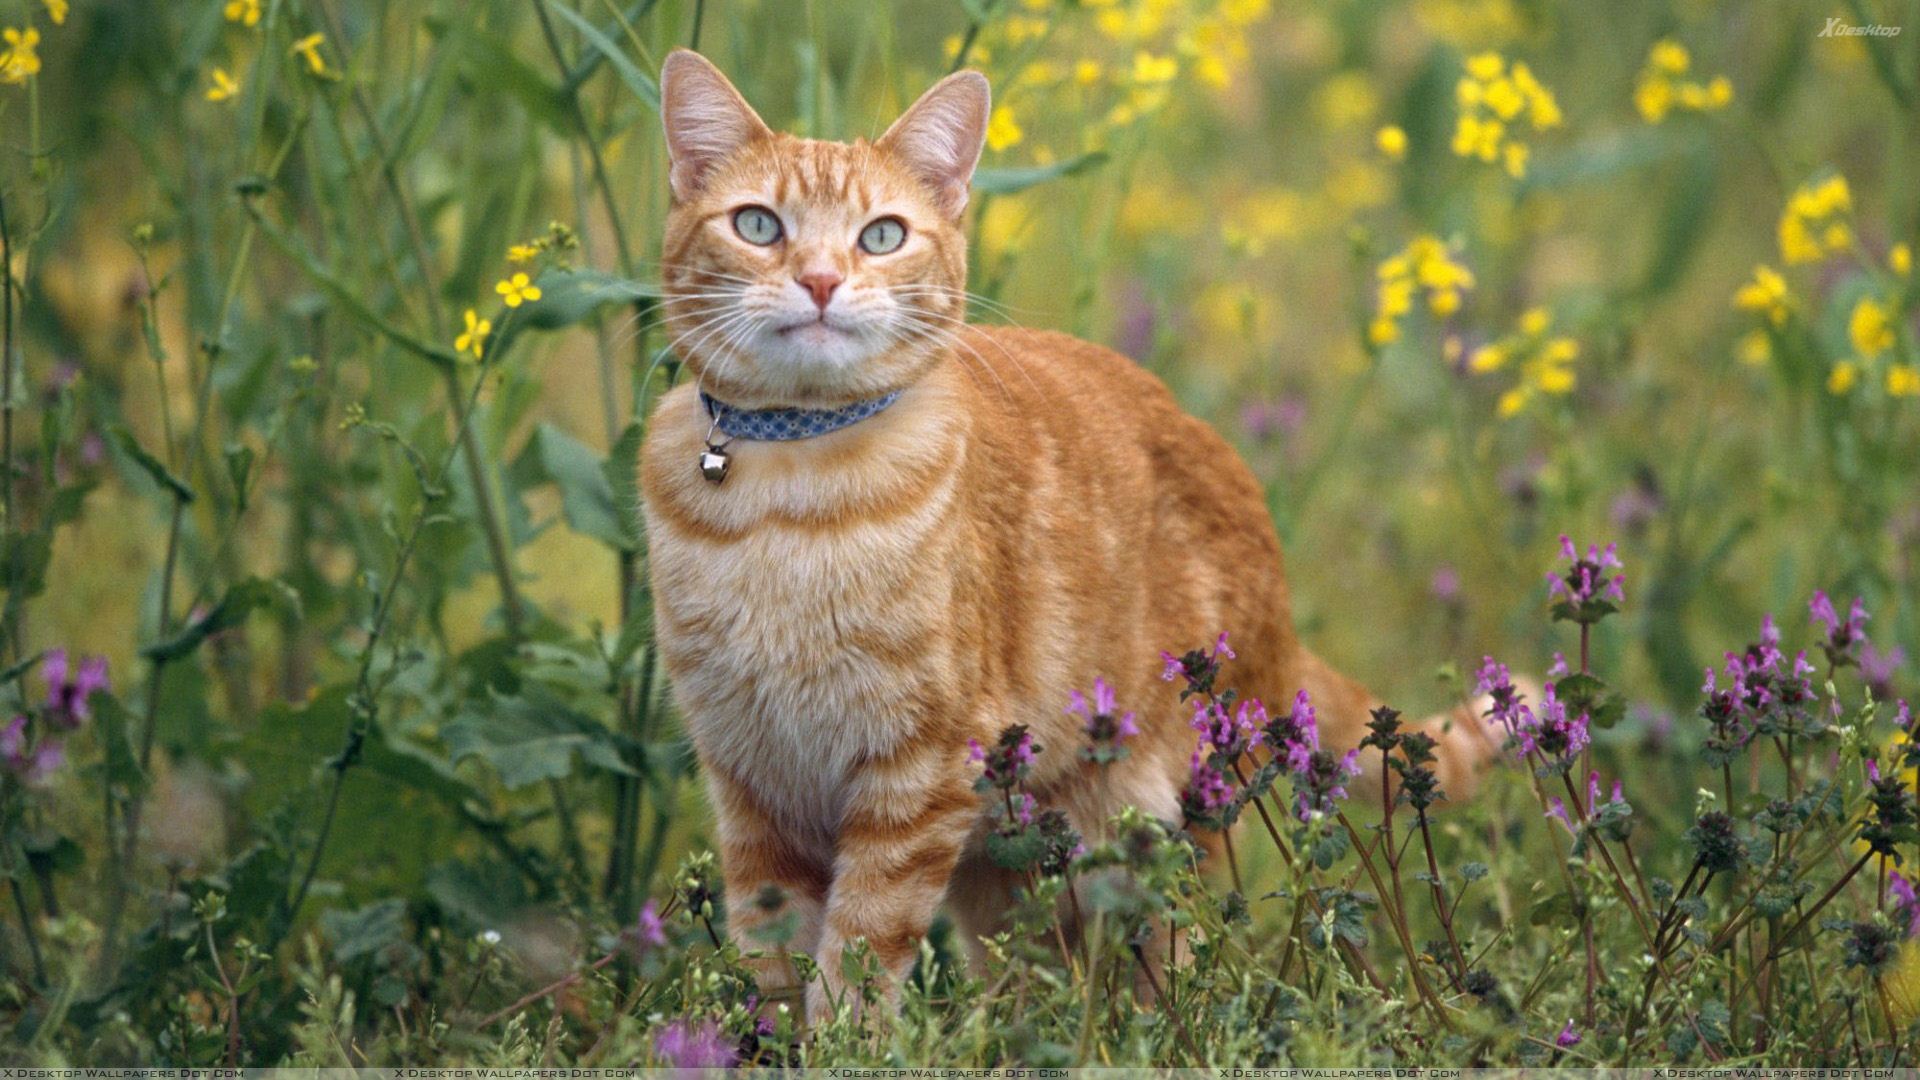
<point x="1006" y="762"/>
<point x="1844" y="636"/>
<point x="1558" y="669"/>
<point x="69" y="698"/>
<point x="1229" y="736"/>
<point x="1507" y="705"/>
<point x="33" y="762"/>
<point x="1585" y="591"/>
<point x="1106" y="727"/>
<point x="684" y="1044"/>
<point x="1556" y="736"/>
<point x="1198" y="668"/>
<point x="1295" y="735"/>
<point x="13" y="745"/>
<point x="1208" y="791"/>
<point x="1445" y="585"/>
<point x="1321" y="779"/>
<point x="1878" y="668"/>
<point x="1635" y="508"/>
<point x="1568" y="1037"/>
<point x="1264" y="420"/>
<point x="1023" y="806"/>
<point x="1557" y="810"/>
<point x="1906" y="906"/>
<point x="647" y="932"/>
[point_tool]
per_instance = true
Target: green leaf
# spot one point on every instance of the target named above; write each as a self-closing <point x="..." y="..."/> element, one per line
<point x="232" y="610"/>
<point x="240" y="471"/>
<point x="118" y="761"/>
<point x="622" y="472"/>
<point x="531" y="738"/>
<point x="1016" y="178"/>
<point x="153" y="466"/>
<point x="567" y="297"/>
<point x="366" y="932"/>
<point x="637" y="81"/>
<point x="586" y="496"/>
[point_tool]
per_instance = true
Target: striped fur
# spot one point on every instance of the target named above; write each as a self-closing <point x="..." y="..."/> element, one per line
<point x="844" y="613"/>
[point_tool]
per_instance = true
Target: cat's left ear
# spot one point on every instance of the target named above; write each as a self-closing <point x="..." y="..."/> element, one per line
<point x="940" y="137"/>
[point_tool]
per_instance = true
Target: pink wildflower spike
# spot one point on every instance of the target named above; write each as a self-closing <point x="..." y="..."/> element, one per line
<point x="1220" y="647"/>
<point x="1173" y="668"/>
<point x="1557" y="810"/>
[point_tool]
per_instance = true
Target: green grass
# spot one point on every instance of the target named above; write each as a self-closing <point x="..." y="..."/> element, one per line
<point x="374" y="609"/>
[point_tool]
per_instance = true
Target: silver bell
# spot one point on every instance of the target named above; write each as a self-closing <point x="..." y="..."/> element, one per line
<point x="714" y="463"/>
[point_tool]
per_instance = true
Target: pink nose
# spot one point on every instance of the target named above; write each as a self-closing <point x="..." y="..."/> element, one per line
<point x="821" y="284"/>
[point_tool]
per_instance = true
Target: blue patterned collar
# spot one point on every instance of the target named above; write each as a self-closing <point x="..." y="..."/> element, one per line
<point x="785" y="425"/>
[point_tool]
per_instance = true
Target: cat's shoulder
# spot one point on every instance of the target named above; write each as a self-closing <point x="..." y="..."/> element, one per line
<point x="1068" y="356"/>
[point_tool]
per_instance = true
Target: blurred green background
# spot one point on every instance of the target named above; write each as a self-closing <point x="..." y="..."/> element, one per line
<point x="295" y="228"/>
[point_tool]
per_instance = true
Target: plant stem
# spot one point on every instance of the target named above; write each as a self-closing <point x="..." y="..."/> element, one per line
<point x="485" y="510"/>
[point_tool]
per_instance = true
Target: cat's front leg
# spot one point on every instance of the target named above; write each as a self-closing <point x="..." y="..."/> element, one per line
<point x="905" y="825"/>
<point x="776" y="888"/>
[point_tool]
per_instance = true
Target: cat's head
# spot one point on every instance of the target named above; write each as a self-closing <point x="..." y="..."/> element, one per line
<point x="806" y="272"/>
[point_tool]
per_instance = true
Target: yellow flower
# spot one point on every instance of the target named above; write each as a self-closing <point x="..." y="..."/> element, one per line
<point x="1495" y="100"/>
<point x="224" y="87"/>
<point x="244" y="12"/>
<point x="1392" y="141"/>
<point x="1663" y="87"/>
<point x="522" y="252"/>
<point x="1900" y="260"/>
<point x="1003" y="130"/>
<point x="1151" y="70"/>
<point x="1870" y="330"/>
<point x="1903" y="380"/>
<point x="309" y="47"/>
<point x="57" y="11"/>
<point x="1485" y="66"/>
<point x="1669" y="56"/>
<point x="1814" y="223"/>
<point x="1766" y="293"/>
<point x="1842" y="377"/>
<point x="1424" y="264"/>
<point x="1086" y="72"/>
<point x="1654" y="98"/>
<point x="20" y="60"/>
<point x="517" y="290"/>
<point x="1545" y="363"/>
<point x="1755" y="348"/>
<point x="475" y="338"/>
<point x="1516" y="159"/>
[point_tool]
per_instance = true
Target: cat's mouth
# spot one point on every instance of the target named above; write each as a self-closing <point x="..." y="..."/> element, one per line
<point x="817" y="329"/>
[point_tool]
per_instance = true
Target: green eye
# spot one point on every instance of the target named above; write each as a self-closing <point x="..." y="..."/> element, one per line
<point x="756" y="225"/>
<point x="883" y="236"/>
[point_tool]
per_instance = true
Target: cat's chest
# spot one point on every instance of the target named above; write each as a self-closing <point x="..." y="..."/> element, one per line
<point x="799" y="647"/>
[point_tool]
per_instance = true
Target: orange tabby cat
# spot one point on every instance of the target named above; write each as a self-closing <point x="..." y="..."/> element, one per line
<point x="973" y="521"/>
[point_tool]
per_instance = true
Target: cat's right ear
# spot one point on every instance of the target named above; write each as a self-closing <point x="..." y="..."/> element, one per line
<point x="706" y="119"/>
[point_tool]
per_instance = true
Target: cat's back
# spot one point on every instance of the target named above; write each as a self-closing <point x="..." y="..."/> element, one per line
<point x="1099" y="410"/>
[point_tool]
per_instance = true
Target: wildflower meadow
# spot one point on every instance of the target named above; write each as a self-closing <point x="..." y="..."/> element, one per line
<point x="1574" y="343"/>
